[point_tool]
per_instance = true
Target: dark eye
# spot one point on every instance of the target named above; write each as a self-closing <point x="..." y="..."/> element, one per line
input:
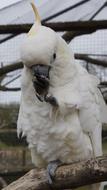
<point x="54" y="56"/>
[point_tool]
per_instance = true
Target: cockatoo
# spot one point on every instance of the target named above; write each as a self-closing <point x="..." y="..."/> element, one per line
<point x="62" y="110"/>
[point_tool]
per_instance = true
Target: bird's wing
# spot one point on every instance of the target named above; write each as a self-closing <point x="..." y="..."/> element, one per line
<point x="103" y="107"/>
<point x="27" y="105"/>
<point x="23" y="121"/>
<point x="90" y="114"/>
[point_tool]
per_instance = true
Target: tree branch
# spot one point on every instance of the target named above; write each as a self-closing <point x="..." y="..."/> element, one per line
<point x="57" y="26"/>
<point x="67" y="177"/>
<point x="68" y="36"/>
<point x="78" y="25"/>
<point x="9" y="68"/>
<point x="104" y="83"/>
<point x="91" y="60"/>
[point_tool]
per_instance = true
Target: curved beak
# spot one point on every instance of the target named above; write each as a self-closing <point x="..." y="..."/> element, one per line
<point x="40" y="80"/>
<point x="41" y="71"/>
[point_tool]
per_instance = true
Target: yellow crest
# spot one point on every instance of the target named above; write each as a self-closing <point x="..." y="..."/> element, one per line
<point x="37" y="20"/>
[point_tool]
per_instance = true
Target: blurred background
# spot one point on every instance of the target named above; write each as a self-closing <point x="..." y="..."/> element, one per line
<point x="86" y="34"/>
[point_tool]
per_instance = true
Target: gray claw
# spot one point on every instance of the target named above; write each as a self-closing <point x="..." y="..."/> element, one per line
<point x="51" y="169"/>
<point x="50" y="99"/>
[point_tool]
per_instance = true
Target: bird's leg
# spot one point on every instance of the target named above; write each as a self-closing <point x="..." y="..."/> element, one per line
<point x="51" y="169"/>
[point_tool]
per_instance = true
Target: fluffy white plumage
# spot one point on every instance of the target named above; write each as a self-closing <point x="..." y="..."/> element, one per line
<point x="72" y="131"/>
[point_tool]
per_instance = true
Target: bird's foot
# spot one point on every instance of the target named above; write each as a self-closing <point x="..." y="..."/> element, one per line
<point x="51" y="169"/>
<point x="50" y="99"/>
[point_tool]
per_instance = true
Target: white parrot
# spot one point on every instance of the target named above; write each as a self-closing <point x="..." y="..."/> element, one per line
<point x="62" y="110"/>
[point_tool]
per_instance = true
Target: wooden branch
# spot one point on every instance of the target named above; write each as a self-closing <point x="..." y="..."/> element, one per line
<point x="91" y="60"/>
<point x="67" y="177"/>
<point x="58" y="26"/>
<point x="104" y="83"/>
<point x="68" y="36"/>
<point x="77" y="25"/>
<point x="9" y="68"/>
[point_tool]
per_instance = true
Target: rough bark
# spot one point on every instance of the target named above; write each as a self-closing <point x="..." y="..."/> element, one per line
<point x="57" y="26"/>
<point x="68" y="176"/>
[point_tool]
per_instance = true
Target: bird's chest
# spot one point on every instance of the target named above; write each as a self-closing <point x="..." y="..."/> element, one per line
<point x="56" y="139"/>
<point x="51" y="143"/>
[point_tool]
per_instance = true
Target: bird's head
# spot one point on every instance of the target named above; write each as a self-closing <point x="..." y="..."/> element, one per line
<point x="45" y="53"/>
